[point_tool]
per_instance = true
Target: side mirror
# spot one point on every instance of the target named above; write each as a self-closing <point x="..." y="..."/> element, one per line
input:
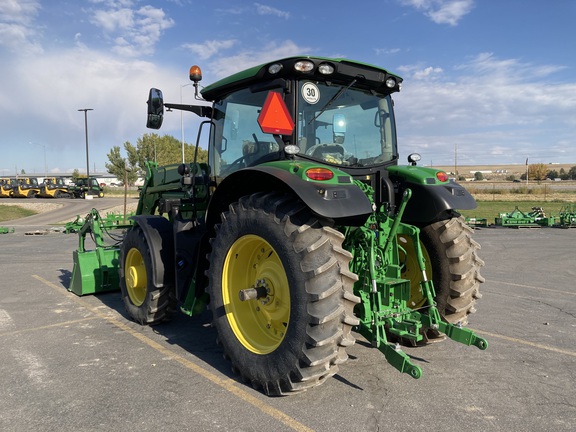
<point x="155" y="109"/>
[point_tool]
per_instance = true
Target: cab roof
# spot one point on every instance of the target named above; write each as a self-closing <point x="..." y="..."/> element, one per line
<point x="368" y="76"/>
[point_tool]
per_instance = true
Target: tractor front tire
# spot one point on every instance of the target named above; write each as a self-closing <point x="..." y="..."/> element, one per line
<point x="144" y="302"/>
<point x="294" y="334"/>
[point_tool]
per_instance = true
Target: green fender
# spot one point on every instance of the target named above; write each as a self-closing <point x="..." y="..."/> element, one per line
<point x="431" y="197"/>
<point x="338" y="198"/>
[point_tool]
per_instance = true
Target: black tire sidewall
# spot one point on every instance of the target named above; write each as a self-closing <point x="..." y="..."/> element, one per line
<point x="135" y="239"/>
<point x="258" y="367"/>
<point x="441" y="275"/>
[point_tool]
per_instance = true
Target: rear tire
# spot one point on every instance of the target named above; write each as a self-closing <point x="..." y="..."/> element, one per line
<point x="144" y="302"/>
<point x="292" y="337"/>
<point x="454" y="266"/>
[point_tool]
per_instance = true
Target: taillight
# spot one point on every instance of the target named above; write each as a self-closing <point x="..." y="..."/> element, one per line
<point x="442" y="176"/>
<point x="319" y="174"/>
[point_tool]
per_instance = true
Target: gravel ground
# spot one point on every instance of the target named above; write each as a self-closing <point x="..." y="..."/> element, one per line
<point x="38" y="207"/>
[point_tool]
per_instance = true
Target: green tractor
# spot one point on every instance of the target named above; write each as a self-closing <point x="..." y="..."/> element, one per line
<point x="302" y="229"/>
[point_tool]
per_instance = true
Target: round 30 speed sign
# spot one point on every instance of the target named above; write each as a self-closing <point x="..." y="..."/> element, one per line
<point x="310" y="93"/>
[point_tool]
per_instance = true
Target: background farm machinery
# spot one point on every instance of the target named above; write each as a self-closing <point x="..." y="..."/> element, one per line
<point x="535" y="218"/>
<point x="50" y="187"/>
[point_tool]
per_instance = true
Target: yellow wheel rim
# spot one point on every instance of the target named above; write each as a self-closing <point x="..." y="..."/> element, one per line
<point x="135" y="276"/>
<point x="259" y="324"/>
<point x="411" y="270"/>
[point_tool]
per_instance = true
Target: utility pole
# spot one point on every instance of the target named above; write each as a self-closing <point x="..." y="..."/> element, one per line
<point x="86" y="130"/>
<point x="456" y="161"/>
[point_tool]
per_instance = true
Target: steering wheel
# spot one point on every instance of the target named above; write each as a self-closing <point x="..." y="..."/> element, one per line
<point x="317" y="150"/>
<point x="232" y="167"/>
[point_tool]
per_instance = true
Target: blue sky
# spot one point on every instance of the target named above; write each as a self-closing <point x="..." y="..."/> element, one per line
<point x="495" y="79"/>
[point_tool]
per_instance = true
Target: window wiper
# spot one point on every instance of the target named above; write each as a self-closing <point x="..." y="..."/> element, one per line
<point x="332" y="99"/>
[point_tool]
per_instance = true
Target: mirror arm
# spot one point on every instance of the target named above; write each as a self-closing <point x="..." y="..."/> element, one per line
<point x="200" y="110"/>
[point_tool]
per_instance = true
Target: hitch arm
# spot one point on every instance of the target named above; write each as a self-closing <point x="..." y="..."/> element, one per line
<point x="457" y="333"/>
<point x="400" y="360"/>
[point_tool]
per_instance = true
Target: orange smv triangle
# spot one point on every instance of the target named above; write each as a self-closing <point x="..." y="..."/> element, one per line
<point x="275" y="117"/>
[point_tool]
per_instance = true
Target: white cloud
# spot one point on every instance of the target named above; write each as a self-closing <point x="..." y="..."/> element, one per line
<point x="420" y="73"/>
<point x="268" y="10"/>
<point x="17" y="31"/>
<point x="114" y="20"/>
<point x="386" y="51"/>
<point x="45" y="111"/>
<point x="487" y="64"/>
<point x="491" y="107"/>
<point x="19" y="11"/>
<point x="134" y="32"/>
<point x="224" y="66"/>
<point x="210" y="48"/>
<point x="442" y="11"/>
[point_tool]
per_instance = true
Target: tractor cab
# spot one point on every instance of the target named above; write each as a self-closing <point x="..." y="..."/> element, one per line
<point x="318" y="120"/>
<point x="334" y="112"/>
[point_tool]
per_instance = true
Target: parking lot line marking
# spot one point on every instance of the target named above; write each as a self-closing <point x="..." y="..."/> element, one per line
<point x="32" y="329"/>
<point x="534" y="287"/>
<point x="525" y="342"/>
<point x="227" y="384"/>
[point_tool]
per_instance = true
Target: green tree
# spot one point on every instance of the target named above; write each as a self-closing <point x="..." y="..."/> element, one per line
<point x="572" y="173"/>
<point x="537" y="171"/>
<point x="552" y="174"/>
<point x="75" y="175"/>
<point x="123" y="168"/>
<point x="478" y="176"/>
<point x="164" y="150"/>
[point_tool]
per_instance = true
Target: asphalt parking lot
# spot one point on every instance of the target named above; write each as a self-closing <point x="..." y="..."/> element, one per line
<point x="72" y="363"/>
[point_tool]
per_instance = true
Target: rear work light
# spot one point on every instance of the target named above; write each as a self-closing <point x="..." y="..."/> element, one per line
<point x="304" y="66"/>
<point x="326" y="69"/>
<point x="275" y="68"/>
<point x="320" y="174"/>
